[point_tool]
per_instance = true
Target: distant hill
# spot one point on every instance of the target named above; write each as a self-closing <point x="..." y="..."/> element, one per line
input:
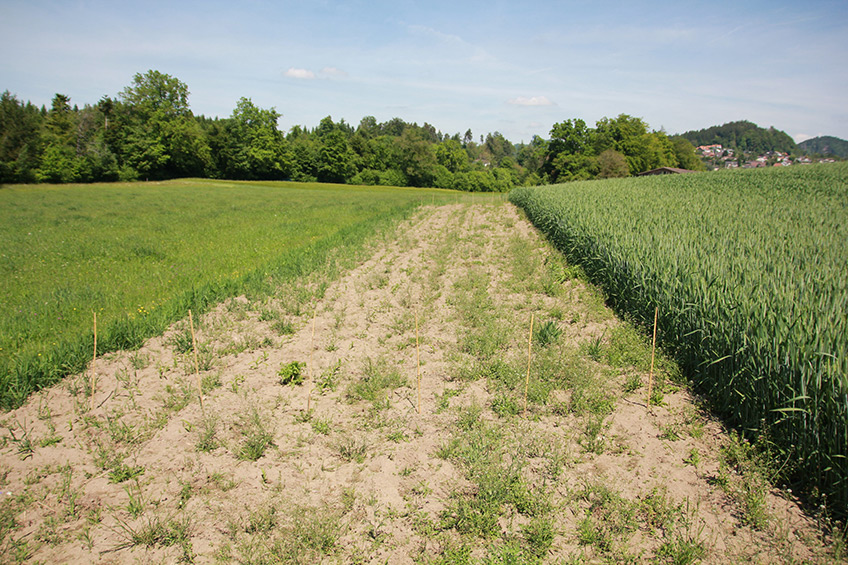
<point x="743" y="136"/>
<point x="825" y="145"/>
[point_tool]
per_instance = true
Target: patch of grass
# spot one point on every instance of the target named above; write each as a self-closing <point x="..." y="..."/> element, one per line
<point x="750" y="482"/>
<point x="443" y="401"/>
<point x="494" y="468"/>
<point x="397" y="436"/>
<point x="539" y="535"/>
<point x="594" y="348"/>
<point x="135" y="503"/>
<point x="181" y="341"/>
<point x="157" y="531"/>
<point x="505" y="405"/>
<point x="632" y="384"/>
<point x="608" y="522"/>
<point x="547" y="333"/>
<point x="484" y="341"/>
<point x="379" y="377"/>
<point x="352" y="449"/>
<point x="210" y="382"/>
<point x="122" y="472"/>
<point x="310" y="532"/>
<point x="207" y="434"/>
<point x="283" y="327"/>
<point x="139" y="361"/>
<point x="256" y="438"/>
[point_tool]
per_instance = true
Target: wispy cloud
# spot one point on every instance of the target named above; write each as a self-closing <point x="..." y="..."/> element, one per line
<point x="333" y="72"/>
<point x="532" y="101"/>
<point x="299" y="73"/>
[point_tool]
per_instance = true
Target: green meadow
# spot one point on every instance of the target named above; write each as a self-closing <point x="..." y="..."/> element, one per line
<point x="141" y="255"/>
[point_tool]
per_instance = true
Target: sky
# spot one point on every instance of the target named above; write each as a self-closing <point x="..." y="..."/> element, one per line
<point x="512" y="67"/>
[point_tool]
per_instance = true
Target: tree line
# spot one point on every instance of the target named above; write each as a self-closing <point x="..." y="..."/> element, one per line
<point x="148" y="132"/>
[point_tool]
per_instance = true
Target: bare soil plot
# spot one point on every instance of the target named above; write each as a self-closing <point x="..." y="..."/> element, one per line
<point x="309" y="445"/>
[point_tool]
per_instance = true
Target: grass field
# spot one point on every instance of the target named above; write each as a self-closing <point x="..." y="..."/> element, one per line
<point x="141" y="255"/>
<point x="748" y="270"/>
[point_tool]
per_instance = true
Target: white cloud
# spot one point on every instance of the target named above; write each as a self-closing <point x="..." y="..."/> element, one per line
<point x="299" y="73"/>
<point x="532" y="101"/>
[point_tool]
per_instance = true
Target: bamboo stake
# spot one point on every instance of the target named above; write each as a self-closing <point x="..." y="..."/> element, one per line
<point x="93" y="359"/>
<point x="418" y="361"/>
<point x="309" y="374"/>
<point x="529" y="353"/>
<point x="653" y="349"/>
<point x="196" y="364"/>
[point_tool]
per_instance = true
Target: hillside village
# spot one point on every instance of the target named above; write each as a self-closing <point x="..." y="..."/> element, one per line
<point x="718" y="157"/>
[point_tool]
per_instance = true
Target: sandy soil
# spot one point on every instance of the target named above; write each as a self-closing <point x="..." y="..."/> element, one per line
<point x="142" y="472"/>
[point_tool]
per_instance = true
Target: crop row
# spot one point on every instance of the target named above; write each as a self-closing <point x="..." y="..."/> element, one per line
<point x="748" y="270"/>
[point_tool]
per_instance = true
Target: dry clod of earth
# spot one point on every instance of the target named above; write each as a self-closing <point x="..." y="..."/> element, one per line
<point x="308" y="446"/>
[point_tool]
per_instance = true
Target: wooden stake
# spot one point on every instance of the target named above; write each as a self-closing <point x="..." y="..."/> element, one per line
<point x="529" y="353"/>
<point x="93" y="359"/>
<point x="311" y="348"/>
<point x="196" y="364"/>
<point x="418" y="361"/>
<point x="653" y="349"/>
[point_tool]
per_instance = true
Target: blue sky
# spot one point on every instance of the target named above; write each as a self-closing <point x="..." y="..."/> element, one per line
<point x="514" y="67"/>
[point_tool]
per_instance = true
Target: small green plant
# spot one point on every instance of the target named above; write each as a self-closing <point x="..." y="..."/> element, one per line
<point x="25" y="446"/>
<point x="291" y="373"/>
<point x="594" y="348"/>
<point x="283" y="327"/>
<point x="547" y="333"/>
<point x="139" y="361"/>
<point x="322" y="425"/>
<point x="236" y="383"/>
<point x="123" y="472"/>
<point x="444" y="400"/>
<point x="694" y="457"/>
<point x="205" y="358"/>
<point x="329" y="378"/>
<point x="397" y="436"/>
<point x="259" y="361"/>
<point x="135" y="504"/>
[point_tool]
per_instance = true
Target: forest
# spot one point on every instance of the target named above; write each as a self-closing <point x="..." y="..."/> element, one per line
<point x="148" y="132"/>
